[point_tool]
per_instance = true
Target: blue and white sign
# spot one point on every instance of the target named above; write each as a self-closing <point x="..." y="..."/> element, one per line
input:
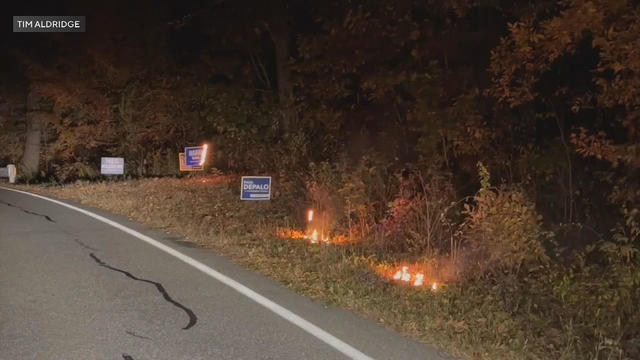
<point x="111" y="166"/>
<point x="195" y="155"/>
<point x="255" y="188"/>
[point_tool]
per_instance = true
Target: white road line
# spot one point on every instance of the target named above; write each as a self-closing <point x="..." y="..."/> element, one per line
<point x="279" y="310"/>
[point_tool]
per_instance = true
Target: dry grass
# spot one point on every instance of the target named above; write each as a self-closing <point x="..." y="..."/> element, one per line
<point x="470" y="321"/>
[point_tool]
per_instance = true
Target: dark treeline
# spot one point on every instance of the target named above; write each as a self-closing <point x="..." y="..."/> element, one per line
<point x="384" y="112"/>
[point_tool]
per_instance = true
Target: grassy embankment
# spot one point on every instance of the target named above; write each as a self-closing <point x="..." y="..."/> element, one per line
<point x="543" y="315"/>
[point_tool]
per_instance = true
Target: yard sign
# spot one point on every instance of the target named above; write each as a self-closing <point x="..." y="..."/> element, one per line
<point x="255" y="188"/>
<point x="112" y="166"/>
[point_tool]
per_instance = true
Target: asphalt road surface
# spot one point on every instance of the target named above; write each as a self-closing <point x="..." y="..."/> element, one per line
<point x="75" y="287"/>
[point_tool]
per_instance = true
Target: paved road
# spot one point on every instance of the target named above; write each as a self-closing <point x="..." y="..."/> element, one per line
<point x="73" y="287"/>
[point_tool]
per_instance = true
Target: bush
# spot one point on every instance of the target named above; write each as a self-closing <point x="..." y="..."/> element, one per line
<point x="352" y="197"/>
<point x="502" y="229"/>
<point x="418" y="219"/>
<point x="323" y="184"/>
<point x="75" y="171"/>
<point x="367" y="188"/>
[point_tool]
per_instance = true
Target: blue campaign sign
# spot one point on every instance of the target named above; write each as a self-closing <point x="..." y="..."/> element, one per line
<point x="255" y="188"/>
<point x="195" y="155"/>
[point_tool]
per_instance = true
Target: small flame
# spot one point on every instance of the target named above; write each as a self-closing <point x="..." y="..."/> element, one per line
<point x="417" y="275"/>
<point x="204" y="154"/>
<point x="406" y="276"/>
<point x="310" y="216"/>
<point x="419" y="280"/>
<point x="314" y="237"/>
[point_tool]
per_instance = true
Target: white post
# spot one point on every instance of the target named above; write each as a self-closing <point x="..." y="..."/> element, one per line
<point x="11" y="169"/>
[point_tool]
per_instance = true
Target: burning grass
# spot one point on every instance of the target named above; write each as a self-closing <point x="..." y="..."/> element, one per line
<point x="312" y="237"/>
<point x="416" y="275"/>
<point x="316" y="232"/>
<point x="419" y="275"/>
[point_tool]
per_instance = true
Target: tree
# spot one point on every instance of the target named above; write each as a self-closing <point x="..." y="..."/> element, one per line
<point x="576" y="68"/>
<point x="36" y="108"/>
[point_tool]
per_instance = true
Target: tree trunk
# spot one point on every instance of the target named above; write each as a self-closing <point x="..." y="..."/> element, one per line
<point x="31" y="157"/>
<point x="281" y="37"/>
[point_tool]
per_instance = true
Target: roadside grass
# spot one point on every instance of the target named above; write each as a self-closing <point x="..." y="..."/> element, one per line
<point x="498" y="318"/>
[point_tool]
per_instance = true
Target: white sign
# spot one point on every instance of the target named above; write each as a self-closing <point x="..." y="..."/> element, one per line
<point x="10" y="172"/>
<point x="11" y="169"/>
<point x="111" y="166"/>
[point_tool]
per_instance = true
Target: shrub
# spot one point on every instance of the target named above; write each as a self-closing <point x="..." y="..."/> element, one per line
<point x="352" y="197"/>
<point x="74" y="171"/>
<point x="367" y="188"/>
<point x="323" y="184"/>
<point x="502" y="228"/>
<point x="418" y="219"/>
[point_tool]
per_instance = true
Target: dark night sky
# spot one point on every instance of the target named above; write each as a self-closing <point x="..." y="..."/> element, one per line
<point x="124" y="30"/>
<point x="110" y="20"/>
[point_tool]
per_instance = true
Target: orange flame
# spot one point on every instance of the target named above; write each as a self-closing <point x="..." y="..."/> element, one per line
<point x="204" y="154"/>
<point x="397" y="276"/>
<point x="419" y="280"/>
<point x="406" y="275"/>
<point x="290" y="234"/>
<point x="310" y="216"/>
<point x="416" y="275"/>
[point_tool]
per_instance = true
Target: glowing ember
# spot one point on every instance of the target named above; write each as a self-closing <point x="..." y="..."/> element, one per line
<point x="313" y="236"/>
<point x="434" y="286"/>
<point x="291" y="234"/>
<point x="419" y="280"/>
<point x="204" y="154"/>
<point x="340" y="240"/>
<point x="310" y="216"/>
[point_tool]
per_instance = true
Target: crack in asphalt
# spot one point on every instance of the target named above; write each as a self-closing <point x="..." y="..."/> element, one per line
<point x="138" y="336"/>
<point x="28" y="211"/>
<point x="192" y="316"/>
<point x="77" y="241"/>
<point x="127" y="357"/>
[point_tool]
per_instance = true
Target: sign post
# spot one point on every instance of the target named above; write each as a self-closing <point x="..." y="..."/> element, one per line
<point x="255" y="188"/>
<point x="112" y="166"/>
